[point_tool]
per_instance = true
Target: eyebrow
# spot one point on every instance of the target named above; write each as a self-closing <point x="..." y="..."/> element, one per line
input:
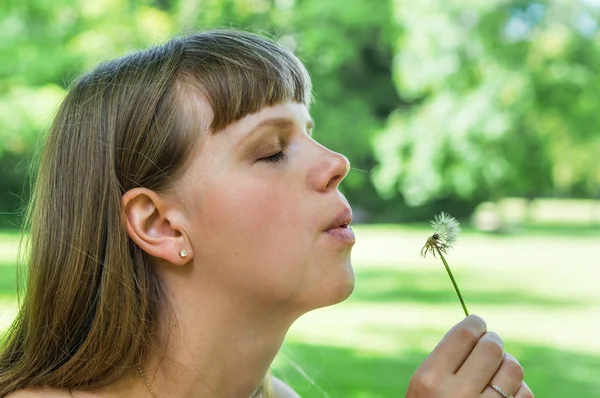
<point x="281" y="122"/>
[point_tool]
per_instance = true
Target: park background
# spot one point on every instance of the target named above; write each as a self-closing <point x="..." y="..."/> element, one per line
<point x="486" y="109"/>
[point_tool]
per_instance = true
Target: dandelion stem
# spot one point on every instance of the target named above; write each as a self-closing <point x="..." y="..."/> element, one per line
<point x="462" y="302"/>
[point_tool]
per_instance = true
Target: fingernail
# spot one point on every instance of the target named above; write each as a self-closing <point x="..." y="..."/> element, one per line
<point x="481" y="319"/>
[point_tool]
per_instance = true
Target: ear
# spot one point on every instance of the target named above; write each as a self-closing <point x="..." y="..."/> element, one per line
<point x="156" y="226"/>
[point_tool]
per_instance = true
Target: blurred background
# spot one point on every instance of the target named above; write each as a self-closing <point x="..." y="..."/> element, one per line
<point x="486" y="109"/>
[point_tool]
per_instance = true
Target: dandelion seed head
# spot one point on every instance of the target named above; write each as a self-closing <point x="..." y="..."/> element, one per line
<point x="447" y="228"/>
<point x="445" y="236"/>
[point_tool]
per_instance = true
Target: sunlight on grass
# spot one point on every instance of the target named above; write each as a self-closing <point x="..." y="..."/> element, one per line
<point x="8" y="246"/>
<point x="538" y="292"/>
<point x="8" y="311"/>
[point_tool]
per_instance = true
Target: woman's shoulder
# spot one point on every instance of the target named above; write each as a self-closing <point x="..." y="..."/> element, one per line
<point x="282" y="390"/>
<point x="39" y="393"/>
<point x="46" y="392"/>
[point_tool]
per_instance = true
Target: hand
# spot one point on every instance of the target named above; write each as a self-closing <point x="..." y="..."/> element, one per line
<point x="466" y="363"/>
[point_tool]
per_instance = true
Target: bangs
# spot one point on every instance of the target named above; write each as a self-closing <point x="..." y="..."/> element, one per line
<point x="240" y="73"/>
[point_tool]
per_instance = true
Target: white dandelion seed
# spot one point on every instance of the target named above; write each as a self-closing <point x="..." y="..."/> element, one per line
<point x="447" y="229"/>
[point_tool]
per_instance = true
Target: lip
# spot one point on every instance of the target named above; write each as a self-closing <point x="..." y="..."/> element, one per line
<point x="345" y="235"/>
<point x="339" y="228"/>
<point x="342" y="220"/>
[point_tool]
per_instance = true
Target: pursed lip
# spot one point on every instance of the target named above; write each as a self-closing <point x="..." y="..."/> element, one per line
<point x="342" y="219"/>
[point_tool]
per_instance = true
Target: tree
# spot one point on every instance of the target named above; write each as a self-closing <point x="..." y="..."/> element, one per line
<point x="45" y="45"/>
<point x="503" y="101"/>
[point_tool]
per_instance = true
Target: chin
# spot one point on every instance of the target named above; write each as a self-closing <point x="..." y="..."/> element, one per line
<point x="345" y="289"/>
<point x="336" y="291"/>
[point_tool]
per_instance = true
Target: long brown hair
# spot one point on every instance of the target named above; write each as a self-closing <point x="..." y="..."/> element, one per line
<point x="90" y="308"/>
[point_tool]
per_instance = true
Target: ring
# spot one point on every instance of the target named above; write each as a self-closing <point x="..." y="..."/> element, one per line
<point x="499" y="390"/>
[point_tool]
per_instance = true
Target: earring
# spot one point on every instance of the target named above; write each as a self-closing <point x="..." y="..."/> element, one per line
<point x="182" y="253"/>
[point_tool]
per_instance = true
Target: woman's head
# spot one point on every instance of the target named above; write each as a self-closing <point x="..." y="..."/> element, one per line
<point x="175" y="147"/>
<point x="251" y="210"/>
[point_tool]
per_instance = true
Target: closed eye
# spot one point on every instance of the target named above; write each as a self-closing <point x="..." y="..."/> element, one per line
<point x="275" y="158"/>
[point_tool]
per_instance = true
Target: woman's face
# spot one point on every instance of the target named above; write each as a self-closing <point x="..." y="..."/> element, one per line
<point x="259" y="198"/>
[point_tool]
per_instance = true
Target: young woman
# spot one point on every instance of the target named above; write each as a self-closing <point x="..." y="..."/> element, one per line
<point x="183" y="218"/>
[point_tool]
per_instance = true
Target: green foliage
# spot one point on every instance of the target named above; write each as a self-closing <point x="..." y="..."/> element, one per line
<point x="44" y="45"/>
<point x="504" y="101"/>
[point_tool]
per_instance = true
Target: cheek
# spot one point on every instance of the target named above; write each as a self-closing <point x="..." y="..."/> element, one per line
<point x="257" y="228"/>
<point x="252" y="209"/>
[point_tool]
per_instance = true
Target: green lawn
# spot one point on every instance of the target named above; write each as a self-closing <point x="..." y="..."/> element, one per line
<point x="538" y="290"/>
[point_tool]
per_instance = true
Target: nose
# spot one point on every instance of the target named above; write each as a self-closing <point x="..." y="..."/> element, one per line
<point x="328" y="171"/>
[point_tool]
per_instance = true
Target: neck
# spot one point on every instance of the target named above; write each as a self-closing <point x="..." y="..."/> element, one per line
<point x="216" y="344"/>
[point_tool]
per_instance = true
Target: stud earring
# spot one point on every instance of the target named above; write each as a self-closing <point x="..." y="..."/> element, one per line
<point x="182" y="253"/>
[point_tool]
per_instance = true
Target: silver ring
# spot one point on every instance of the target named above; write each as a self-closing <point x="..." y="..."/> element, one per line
<point x="499" y="390"/>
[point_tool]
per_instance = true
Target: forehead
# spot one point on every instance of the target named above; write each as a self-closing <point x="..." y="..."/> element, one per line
<point x="289" y="114"/>
<point x="199" y="112"/>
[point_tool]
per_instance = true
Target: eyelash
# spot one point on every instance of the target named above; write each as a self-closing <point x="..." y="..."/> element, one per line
<point x="279" y="156"/>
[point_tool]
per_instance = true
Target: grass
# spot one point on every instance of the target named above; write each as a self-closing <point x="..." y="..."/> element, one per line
<point x="538" y="290"/>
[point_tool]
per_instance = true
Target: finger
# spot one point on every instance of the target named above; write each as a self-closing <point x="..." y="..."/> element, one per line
<point x="490" y="392"/>
<point x="484" y="361"/>
<point x="508" y="378"/>
<point x="455" y="347"/>
<point x="524" y="391"/>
